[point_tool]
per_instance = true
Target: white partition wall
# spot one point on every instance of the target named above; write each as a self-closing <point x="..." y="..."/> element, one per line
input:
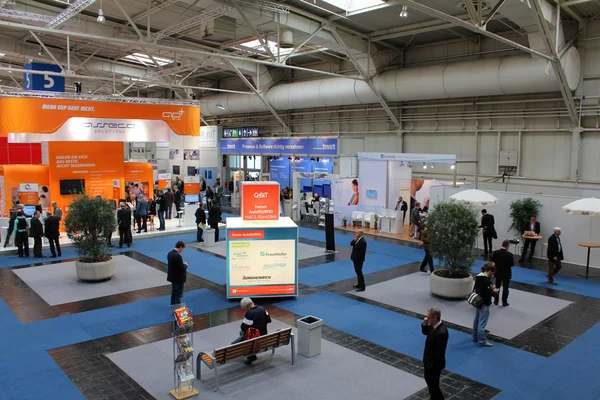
<point x="575" y="229"/>
<point x="373" y="184"/>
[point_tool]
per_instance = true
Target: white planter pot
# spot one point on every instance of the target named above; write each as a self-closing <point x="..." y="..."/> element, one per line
<point x="451" y="288"/>
<point x="93" y="272"/>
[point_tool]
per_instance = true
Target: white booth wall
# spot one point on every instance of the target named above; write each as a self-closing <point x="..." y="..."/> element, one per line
<point x="372" y="176"/>
<point x="575" y="229"/>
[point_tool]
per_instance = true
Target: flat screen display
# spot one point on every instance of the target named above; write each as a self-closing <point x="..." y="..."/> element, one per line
<point x="176" y="170"/>
<point x="72" y="186"/>
<point x="192" y="198"/>
<point x="29" y="210"/>
<point x="191" y="171"/>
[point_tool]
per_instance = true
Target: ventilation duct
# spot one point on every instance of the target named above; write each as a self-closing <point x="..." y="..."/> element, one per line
<point x="508" y="75"/>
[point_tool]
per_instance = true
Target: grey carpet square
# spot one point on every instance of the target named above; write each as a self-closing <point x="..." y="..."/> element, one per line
<point x="411" y="292"/>
<point x="58" y="284"/>
<point x="305" y="251"/>
<point x="337" y="374"/>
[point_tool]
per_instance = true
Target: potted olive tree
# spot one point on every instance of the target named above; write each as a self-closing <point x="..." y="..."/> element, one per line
<point x="88" y="222"/>
<point x="452" y="233"/>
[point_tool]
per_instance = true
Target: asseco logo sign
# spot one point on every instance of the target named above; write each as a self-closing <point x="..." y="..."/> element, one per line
<point x="173" y="115"/>
<point x="108" y="125"/>
<point x="27" y="187"/>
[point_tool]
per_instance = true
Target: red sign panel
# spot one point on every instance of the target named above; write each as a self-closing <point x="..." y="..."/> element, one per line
<point x="260" y="201"/>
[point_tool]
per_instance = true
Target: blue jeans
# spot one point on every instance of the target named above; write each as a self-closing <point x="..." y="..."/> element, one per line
<point x="176" y="293"/>
<point x="161" y="219"/>
<point x="481" y="319"/>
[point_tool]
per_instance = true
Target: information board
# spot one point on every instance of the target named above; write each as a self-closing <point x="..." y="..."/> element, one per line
<point x="259" y="201"/>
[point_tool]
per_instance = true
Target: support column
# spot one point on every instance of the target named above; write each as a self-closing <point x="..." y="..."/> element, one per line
<point x="575" y="152"/>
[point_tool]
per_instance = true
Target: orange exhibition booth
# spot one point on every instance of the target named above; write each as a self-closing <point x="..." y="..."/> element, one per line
<point x="84" y="145"/>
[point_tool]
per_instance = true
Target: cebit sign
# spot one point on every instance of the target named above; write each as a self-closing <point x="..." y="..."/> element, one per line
<point x="260" y="201"/>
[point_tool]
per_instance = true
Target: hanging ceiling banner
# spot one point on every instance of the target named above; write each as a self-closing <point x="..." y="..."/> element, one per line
<point x="281" y="146"/>
<point x="412" y="157"/>
<point x="25" y="120"/>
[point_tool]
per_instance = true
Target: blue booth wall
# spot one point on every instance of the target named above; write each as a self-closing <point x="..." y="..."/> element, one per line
<point x="282" y="172"/>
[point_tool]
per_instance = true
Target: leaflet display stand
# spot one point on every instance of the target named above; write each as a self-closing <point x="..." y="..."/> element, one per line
<point x="183" y="353"/>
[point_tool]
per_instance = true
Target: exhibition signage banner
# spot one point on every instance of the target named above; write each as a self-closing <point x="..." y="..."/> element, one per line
<point x="164" y="181"/>
<point x="262" y="262"/>
<point x="208" y="137"/>
<point x="260" y="201"/>
<point x="280" y="146"/>
<point x="240" y="132"/>
<point x="24" y="119"/>
<point x="191" y="184"/>
<point x="39" y="82"/>
<point x="409" y="157"/>
<point x="29" y="193"/>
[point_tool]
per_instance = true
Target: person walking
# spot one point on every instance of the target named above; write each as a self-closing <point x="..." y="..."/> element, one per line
<point x="37" y="233"/>
<point x="124" y="223"/>
<point x="415" y="220"/>
<point x="11" y="224"/>
<point x="200" y="222"/>
<point x="20" y="230"/>
<point x="161" y="206"/>
<point x="434" y="355"/>
<point x="52" y="233"/>
<point x="141" y="213"/>
<point x="489" y="233"/>
<point x="555" y="255"/>
<point x="210" y="197"/>
<point x="359" y="251"/>
<point x="218" y="193"/>
<point x="428" y="259"/>
<point x="485" y="289"/>
<point x="214" y="217"/>
<point x="176" y="272"/>
<point x="504" y="261"/>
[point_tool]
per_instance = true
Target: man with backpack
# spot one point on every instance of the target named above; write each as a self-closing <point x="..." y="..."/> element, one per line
<point x="253" y="325"/>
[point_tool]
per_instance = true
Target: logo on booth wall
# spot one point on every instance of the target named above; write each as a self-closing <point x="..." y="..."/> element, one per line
<point x="27" y="187"/>
<point x="173" y="115"/>
<point x="108" y="125"/>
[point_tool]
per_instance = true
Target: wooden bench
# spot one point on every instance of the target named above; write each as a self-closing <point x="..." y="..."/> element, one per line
<point x="243" y="349"/>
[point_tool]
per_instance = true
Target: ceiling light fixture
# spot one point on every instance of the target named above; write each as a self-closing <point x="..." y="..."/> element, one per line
<point x="404" y="12"/>
<point x="40" y="51"/>
<point x="431" y="166"/>
<point x="100" y="15"/>
<point x="220" y="106"/>
<point x="424" y="166"/>
<point x="452" y="166"/>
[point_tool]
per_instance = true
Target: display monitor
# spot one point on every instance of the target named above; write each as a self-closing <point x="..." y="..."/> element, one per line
<point x="191" y="171"/>
<point x="176" y="170"/>
<point x="29" y="210"/>
<point x="72" y="186"/>
<point x="192" y="198"/>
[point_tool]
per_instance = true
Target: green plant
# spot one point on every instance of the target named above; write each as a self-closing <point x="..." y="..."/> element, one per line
<point x="521" y="212"/>
<point x="452" y="231"/>
<point x="88" y="221"/>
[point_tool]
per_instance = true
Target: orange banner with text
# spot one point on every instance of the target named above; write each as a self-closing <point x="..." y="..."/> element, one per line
<point x="16" y="177"/>
<point x="260" y="201"/>
<point x="191" y="184"/>
<point x="22" y="115"/>
<point x="164" y="181"/>
<point x="98" y="166"/>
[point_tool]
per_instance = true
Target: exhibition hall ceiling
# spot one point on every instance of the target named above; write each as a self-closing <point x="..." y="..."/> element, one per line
<point x="182" y="49"/>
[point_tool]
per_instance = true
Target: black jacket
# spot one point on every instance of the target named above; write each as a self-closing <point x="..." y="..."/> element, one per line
<point x="177" y="197"/>
<point x="124" y="218"/>
<point x="169" y="198"/>
<point x="553" y="250"/>
<point x="527" y="227"/>
<point x="256" y="317"/>
<point x="214" y="216"/>
<point x="359" y="249"/>
<point x="483" y="287"/>
<point x="176" y="268"/>
<point x="487" y="223"/>
<point x="504" y="261"/>
<point x="52" y="227"/>
<point x="37" y="229"/>
<point x="162" y="203"/>
<point x="434" y="355"/>
<point x="200" y="216"/>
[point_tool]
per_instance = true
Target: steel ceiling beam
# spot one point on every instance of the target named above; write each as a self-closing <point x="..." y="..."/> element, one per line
<point x="565" y="6"/>
<point x="191" y="23"/>
<point x="262" y="98"/>
<point x="129" y="20"/>
<point x="492" y="13"/>
<point x="183" y="50"/>
<point x="47" y="50"/>
<point x="262" y="41"/>
<point x="367" y="79"/>
<point x="464" y="24"/>
<point x="549" y="43"/>
<point x="472" y="12"/>
<point x="71" y="11"/>
<point x="297" y="48"/>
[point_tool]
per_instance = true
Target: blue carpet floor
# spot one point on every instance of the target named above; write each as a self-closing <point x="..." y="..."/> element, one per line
<point x="24" y="359"/>
<point x="570" y="374"/>
<point x="336" y="271"/>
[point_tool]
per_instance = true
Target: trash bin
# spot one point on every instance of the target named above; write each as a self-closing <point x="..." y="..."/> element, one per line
<point x="209" y="237"/>
<point x="309" y="336"/>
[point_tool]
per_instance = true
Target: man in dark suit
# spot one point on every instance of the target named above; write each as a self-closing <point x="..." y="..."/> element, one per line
<point x="37" y="232"/>
<point x="200" y="222"/>
<point x="532" y="226"/>
<point x="141" y="213"/>
<point x="489" y="232"/>
<point x="214" y="217"/>
<point x="52" y="233"/>
<point x="555" y="255"/>
<point x="504" y="261"/>
<point x="402" y="206"/>
<point x="124" y="223"/>
<point x="176" y="272"/>
<point x="359" y="251"/>
<point x="434" y="355"/>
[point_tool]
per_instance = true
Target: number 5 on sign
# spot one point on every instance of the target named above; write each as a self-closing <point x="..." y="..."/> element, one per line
<point x="42" y="80"/>
<point x="48" y="82"/>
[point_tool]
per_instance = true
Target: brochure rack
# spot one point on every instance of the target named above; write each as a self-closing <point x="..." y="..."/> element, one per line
<point x="183" y="353"/>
